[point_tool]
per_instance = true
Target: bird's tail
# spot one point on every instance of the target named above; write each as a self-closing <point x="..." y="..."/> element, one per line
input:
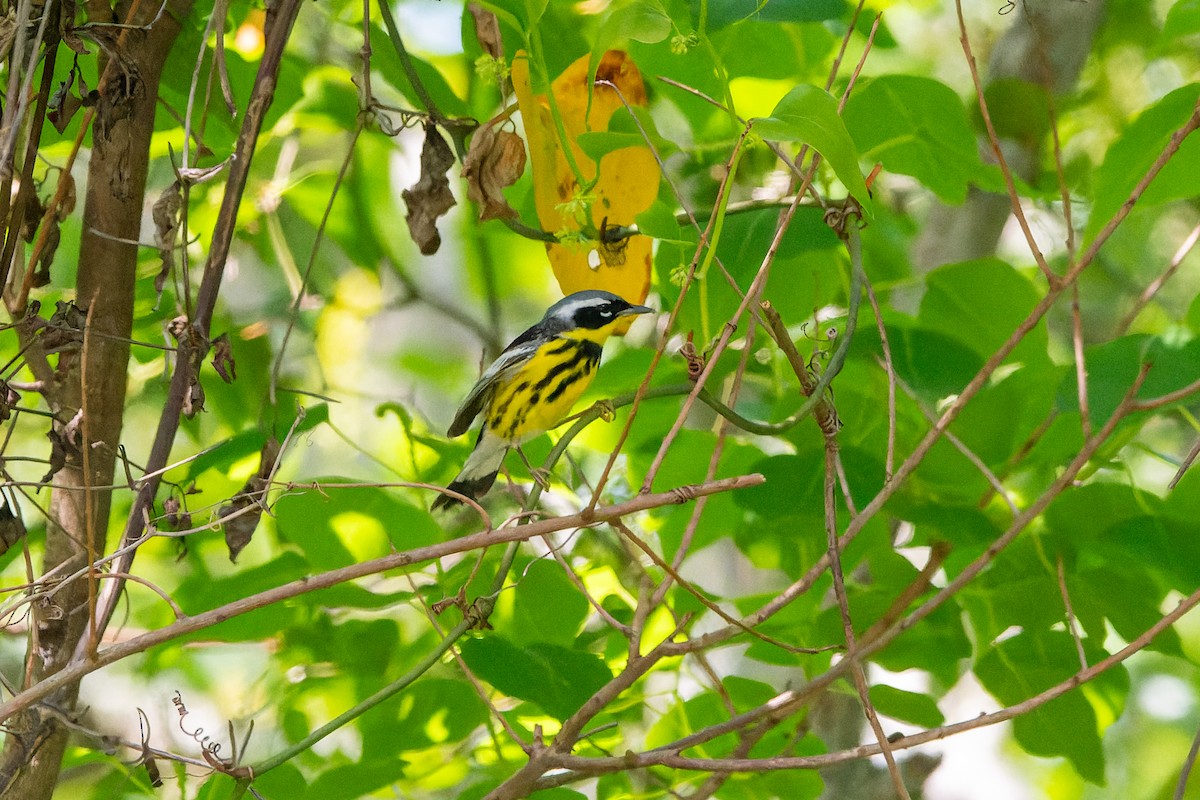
<point x="478" y="474"/>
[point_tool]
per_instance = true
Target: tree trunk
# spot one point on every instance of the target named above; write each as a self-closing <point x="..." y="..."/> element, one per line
<point x="95" y="382"/>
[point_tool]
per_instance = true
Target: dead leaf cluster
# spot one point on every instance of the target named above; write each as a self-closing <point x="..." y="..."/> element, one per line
<point x="430" y="197"/>
<point x="495" y="160"/>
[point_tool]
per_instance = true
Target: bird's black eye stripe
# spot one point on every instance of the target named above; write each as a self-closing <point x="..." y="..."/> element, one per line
<point x="595" y="316"/>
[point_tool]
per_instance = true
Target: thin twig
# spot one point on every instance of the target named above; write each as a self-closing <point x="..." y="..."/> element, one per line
<point x="1081" y="383"/>
<point x="890" y="369"/>
<point x="1072" y="626"/>
<point x="1188" y="460"/>
<point x="998" y="151"/>
<point x="1150" y="291"/>
<point x="1186" y="770"/>
<point x="839" y="592"/>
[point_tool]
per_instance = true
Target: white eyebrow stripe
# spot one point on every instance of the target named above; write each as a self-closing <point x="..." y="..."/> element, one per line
<point x="579" y="305"/>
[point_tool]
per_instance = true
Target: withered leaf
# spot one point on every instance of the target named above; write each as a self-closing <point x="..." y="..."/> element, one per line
<point x="194" y="175"/>
<point x="67" y="191"/>
<point x="8" y="400"/>
<point x="72" y="435"/>
<point x="165" y="214"/>
<point x="495" y="159"/>
<point x="430" y="196"/>
<point x="68" y="315"/>
<point x="193" y="400"/>
<point x="174" y="514"/>
<point x="66" y="29"/>
<point x="239" y="530"/>
<point x="64" y="328"/>
<point x="223" y="361"/>
<point x="41" y="270"/>
<point x="8" y="30"/>
<point x="62" y="106"/>
<point x="58" y="454"/>
<point x="192" y="347"/>
<point x="34" y="210"/>
<point x="12" y="529"/>
<point x="487" y="30"/>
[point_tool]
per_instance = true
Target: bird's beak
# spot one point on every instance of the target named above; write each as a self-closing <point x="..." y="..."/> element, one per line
<point x="632" y="310"/>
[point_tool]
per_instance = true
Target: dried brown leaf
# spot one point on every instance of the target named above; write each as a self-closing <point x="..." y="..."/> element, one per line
<point x="12" y="529"/>
<point x="8" y="31"/>
<point x="194" y="175"/>
<point x="495" y="160"/>
<point x="34" y="209"/>
<point x="58" y="454"/>
<point x="487" y="30"/>
<point x="430" y="196"/>
<point x="239" y="530"/>
<point x="175" y="515"/>
<point x="62" y="107"/>
<point x="64" y="329"/>
<point x="193" y="401"/>
<point x="41" y="270"/>
<point x="66" y="190"/>
<point x="165" y="214"/>
<point x="8" y="400"/>
<point x="223" y="361"/>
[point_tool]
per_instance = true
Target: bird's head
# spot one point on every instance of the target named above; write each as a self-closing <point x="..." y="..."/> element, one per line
<point x="592" y="314"/>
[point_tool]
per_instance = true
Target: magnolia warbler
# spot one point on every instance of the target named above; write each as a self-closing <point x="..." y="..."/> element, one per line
<point x="534" y="383"/>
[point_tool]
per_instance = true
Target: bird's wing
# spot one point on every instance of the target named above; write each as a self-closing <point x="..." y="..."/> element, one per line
<point x="511" y="360"/>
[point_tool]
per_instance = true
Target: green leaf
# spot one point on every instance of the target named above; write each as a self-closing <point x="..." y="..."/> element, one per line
<point x="729" y="12"/>
<point x="980" y="303"/>
<point x="283" y="781"/>
<point x="386" y="60"/>
<point x="1113" y="367"/>
<point x="555" y="678"/>
<point x="919" y="709"/>
<point x="1125" y="595"/>
<point x="624" y="130"/>
<point x="794" y="485"/>
<point x="659" y="222"/>
<point x="642" y="21"/>
<point x="1138" y="147"/>
<point x="1019" y="110"/>
<point x="933" y="364"/>
<point x="352" y="781"/>
<point x="433" y="711"/>
<point x="915" y="126"/>
<point x="558" y="793"/>
<point x="804" y="273"/>
<point x="1183" y="19"/>
<point x="808" y="114"/>
<point x="1027" y="664"/>
<point x="548" y="606"/>
<point x="340" y="526"/>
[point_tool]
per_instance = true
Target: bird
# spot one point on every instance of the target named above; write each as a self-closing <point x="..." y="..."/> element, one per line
<point x="533" y="383"/>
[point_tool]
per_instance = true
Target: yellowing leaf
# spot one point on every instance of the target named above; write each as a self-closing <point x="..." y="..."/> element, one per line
<point x="626" y="179"/>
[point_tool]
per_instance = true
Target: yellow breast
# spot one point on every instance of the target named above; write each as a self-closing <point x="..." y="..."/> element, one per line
<point x="543" y="392"/>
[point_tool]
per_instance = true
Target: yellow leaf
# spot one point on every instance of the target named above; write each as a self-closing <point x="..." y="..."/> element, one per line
<point x="626" y="180"/>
